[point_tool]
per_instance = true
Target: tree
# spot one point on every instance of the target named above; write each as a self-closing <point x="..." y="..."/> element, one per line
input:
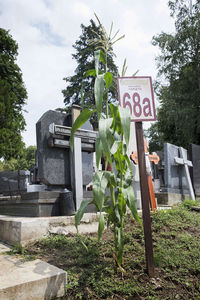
<point x="85" y="59"/>
<point x="12" y="98"/>
<point x="179" y="66"/>
<point x="26" y="160"/>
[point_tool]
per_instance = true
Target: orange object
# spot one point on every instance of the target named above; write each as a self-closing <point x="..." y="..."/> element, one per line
<point x="152" y="194"/>
<point x="155" y="159"/>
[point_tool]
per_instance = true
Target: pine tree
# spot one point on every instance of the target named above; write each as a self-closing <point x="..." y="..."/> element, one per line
<point x="85" y="61"/>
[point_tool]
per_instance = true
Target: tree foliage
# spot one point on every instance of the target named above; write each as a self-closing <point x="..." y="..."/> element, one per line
<point x="178" y="85"/>
<point x="26" y="160"/>
<point x="83" y="81"/>
<point x="12" y="98"/>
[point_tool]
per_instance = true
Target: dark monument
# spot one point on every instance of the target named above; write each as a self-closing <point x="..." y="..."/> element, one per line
<point x="194" y="151"/>
<point x="13" y="182"/>
<point x="53" y="163"/>
<point x="58" y="168"/>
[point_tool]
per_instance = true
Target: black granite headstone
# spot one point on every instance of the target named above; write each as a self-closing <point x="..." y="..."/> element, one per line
<point x="13" y="182"/>
<point x="194" y="151"/>
<point x="53" y="163"/>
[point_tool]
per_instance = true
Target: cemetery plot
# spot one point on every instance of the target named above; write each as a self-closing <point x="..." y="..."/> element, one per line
<point x="93" y="275"/>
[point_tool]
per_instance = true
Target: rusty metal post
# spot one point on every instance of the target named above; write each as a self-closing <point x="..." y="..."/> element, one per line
<point x="145" y="197"/>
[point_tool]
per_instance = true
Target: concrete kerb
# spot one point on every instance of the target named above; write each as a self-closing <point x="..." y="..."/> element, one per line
<point x="24" y="230"/>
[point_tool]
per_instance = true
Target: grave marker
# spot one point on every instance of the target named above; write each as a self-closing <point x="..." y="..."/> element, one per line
<point x="137" y="94"/>
<point x="58" y="167"/>
<point x="182" y="160"/>
<point x="194" y="151"/>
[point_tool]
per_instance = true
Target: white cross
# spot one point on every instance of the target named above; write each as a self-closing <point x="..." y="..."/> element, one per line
<point x="182" y="160"/>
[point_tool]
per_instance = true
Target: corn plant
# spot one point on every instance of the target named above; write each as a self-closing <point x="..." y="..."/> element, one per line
<point x="111" y="146"/>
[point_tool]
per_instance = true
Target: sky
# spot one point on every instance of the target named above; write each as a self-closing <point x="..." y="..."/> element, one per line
<point x="45" y="31"/>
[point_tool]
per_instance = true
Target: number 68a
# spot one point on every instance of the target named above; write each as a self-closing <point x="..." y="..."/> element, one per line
<point x="137" y="107"/>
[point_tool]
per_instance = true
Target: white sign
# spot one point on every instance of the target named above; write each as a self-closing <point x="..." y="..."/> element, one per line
<point x="137" y="94"/>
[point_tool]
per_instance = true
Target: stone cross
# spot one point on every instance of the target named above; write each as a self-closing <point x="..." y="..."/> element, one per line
<point x="182" y="161"/>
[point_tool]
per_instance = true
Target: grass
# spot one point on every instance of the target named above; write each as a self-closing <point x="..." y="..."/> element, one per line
<point x="94" y="275"/>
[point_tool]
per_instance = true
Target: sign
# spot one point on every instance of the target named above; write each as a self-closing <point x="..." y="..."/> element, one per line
<point x="137" y="94"/>
<point x="66" y="131"/>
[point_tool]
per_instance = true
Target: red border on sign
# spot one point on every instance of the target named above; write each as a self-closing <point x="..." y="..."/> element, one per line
<point x="152" y="95"/>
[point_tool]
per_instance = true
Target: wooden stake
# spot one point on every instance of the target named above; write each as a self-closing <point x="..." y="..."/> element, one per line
<point x="145" y="197"/>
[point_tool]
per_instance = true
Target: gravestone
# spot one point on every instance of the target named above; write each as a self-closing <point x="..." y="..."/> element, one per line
<point x="53" y="163"/>
<point x="14" y="182"/>
<point x="175" y="178"/>
<point x="58" y="168"/>
<point x="53" y="153"/>
<point x="194" y="151"/>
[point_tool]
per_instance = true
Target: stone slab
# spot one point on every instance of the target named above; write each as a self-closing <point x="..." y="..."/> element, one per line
<point x="25" y="230"/>
<point x="30" y="209"/>
<point x="33" y="204"/>
<point x="30" y="280"/>
<point x="83" y="228"/>
<point x="170" y="199"/>
<point x="4" y="248"/>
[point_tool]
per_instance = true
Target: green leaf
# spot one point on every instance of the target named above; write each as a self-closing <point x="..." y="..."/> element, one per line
<point x="82" y="118"/>
<point x="125" y="122"/>
<point x="96" y="60"/>
<point x="100" y="183"/>
<point x="128" y="163"/>
<point x="105" y="136"/>
<point x="82" y="95"/>
<point x="102" y="57"/>
<point x="98" y="151"/>
<point x="108" y="79"/>
<point x="80" y="212"/>
<point x="101" y="226"/>
<point x="91" y="72"/>
<point x="113" y="110"/>
<point x="120" y="244"/>
<point x="115" y="147"/>
<point x="128" y="178"/>
<point x="122" y="204"/>
<point x="98" y="93"/>
<point x="131" y="202"/>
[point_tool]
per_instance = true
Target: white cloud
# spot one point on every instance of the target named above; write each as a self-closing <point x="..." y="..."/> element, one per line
<point x="45" y="31"/>
<point x="82" y="10"/>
